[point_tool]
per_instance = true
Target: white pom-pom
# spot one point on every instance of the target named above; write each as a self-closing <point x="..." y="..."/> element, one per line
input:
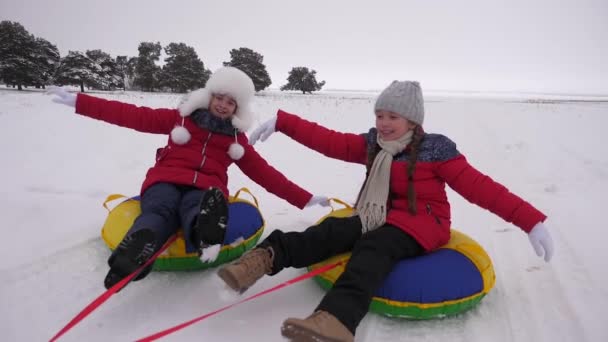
<point x="236" y="151"/>
<point x="180" y="135"/>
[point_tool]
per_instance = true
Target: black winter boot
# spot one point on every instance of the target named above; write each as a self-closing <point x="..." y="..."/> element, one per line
<point x="132" y="252"/>
<point x="212" y="220"/>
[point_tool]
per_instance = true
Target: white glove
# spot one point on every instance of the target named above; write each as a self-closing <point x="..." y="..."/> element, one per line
<point x="541" y="241"/>
<point x="320" y="200"/>
<point x="210" y="253"/>
<point x="62" y="96"/>
<point x="263" y="131"/>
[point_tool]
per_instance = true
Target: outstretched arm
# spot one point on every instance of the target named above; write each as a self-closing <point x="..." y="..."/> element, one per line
<point x="480" y="189"/>
<point x="344" y="146"/>
<point x="142" y="119"/>
<point x="258" y="169"/>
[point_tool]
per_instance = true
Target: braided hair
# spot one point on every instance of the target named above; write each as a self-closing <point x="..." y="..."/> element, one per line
<point x="411" y="192"/>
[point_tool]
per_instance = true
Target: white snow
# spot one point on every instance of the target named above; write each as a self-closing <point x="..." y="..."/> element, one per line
<point x="59" y="167"/>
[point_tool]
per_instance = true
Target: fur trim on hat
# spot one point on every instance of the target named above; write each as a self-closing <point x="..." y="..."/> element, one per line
<point x="243" y="121"/>
<point x="228" y="81"/>
<point x="194" y="101"/>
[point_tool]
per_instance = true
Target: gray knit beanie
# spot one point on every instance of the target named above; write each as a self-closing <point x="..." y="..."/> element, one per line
<point x="403" y="98"/>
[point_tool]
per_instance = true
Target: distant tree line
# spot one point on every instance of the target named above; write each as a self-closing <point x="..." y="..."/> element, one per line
<point x="29" y="61"/>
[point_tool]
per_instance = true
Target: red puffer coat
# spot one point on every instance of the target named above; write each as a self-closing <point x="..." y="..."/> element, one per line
<point x="439" y="162"/>
<point x="203" y="161"/>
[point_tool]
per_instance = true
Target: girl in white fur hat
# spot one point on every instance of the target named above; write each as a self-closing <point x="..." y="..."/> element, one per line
<point x="187" y="186"/>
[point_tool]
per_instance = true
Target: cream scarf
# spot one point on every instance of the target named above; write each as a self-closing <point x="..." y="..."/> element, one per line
<point x="371" y="206"/>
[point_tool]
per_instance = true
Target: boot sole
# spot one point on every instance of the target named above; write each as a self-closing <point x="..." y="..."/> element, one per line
<point x="301" y="334"/>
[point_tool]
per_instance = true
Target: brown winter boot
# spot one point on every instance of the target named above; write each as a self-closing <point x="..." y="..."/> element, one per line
<point x="321" y="326"/>
<point x="246" y="270"/>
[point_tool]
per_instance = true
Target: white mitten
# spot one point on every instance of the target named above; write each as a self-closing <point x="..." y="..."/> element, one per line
<point x="541" y="241"/>
<point x="210" y="253"/>
<point x="320" y="200"/>
<point x="263" y="131"/>
<point x="62" y="96"/>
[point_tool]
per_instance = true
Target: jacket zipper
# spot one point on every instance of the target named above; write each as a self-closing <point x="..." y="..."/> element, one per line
<point x="204" y="158"/>
<point x="429" y="211"/>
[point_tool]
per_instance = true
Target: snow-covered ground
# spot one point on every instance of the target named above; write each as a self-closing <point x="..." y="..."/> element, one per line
<point x="58" y="168"/>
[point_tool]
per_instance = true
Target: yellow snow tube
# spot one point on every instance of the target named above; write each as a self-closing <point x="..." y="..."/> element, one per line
<point x="245" y="226"/>
<point x="445" y="282"/>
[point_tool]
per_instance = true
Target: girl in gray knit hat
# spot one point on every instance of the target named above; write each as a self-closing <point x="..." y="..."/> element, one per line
<point x="401" y="212"/>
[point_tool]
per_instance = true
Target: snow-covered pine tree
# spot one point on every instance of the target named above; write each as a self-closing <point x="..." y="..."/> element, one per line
<point x="183" y="70"/>
<point x="76" y="69"/>
<point x="146" y="70"/>
<point x="17" y="55"/>
<point x="125" y="67"/>
<point x="251" y="63"/>
<point x="47" y="60"/>
<point x="121" y="65"/>
<point x="130" y="72"/>
<point x="107" y="76"/>
<point x="304" y="80"/>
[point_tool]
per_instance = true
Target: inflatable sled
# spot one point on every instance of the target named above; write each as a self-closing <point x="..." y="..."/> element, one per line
<point x="442" y="283"/>
<point x="245" y="226"/>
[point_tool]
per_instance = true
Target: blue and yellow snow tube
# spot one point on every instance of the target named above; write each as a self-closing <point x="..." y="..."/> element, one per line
<point x="445" y="282"/>
<point x="245" y="226"/>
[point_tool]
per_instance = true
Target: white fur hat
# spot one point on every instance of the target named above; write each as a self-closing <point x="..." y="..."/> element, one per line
<point x="227" y="81"/>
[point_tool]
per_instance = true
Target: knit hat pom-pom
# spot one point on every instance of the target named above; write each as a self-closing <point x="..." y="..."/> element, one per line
<point x="236" y="151"/>
<point x="180" y="135"/>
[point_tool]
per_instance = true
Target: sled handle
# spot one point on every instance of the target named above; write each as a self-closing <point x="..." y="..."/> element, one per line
<point x="236" y="195"/>
<point x="111" y="198"/>
<point x="339" y="201"/>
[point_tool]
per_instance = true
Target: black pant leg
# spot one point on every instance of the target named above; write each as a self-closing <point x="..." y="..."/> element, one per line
<point x="373" y="258"/>
<point x="317" y="243"/>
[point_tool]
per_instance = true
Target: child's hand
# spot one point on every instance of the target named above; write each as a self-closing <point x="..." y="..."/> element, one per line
<point x="263" y="131"/>
<point x="210" y="253"/>
<point x="541" y="241"/>
<point x="320" y="200"/>
<point x="62" y="96"/>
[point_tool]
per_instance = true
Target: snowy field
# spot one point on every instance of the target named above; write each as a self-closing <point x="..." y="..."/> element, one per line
<point x="58" y="168"/>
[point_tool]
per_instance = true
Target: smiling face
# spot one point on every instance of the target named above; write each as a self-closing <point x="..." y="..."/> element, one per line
<point x="392" y="126"/>
<point x="222" y="106"/>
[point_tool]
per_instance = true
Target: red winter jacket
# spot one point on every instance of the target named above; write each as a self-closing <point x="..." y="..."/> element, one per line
<point x="201" y="162"/>
<point x="439" y="162"/>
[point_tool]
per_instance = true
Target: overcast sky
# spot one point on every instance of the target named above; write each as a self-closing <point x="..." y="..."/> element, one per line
<point x="513" y="45"/>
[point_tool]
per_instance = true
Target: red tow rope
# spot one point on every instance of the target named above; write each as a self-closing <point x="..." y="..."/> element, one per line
<point x="259" y="294"/>
<point x="108" y="293"/>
